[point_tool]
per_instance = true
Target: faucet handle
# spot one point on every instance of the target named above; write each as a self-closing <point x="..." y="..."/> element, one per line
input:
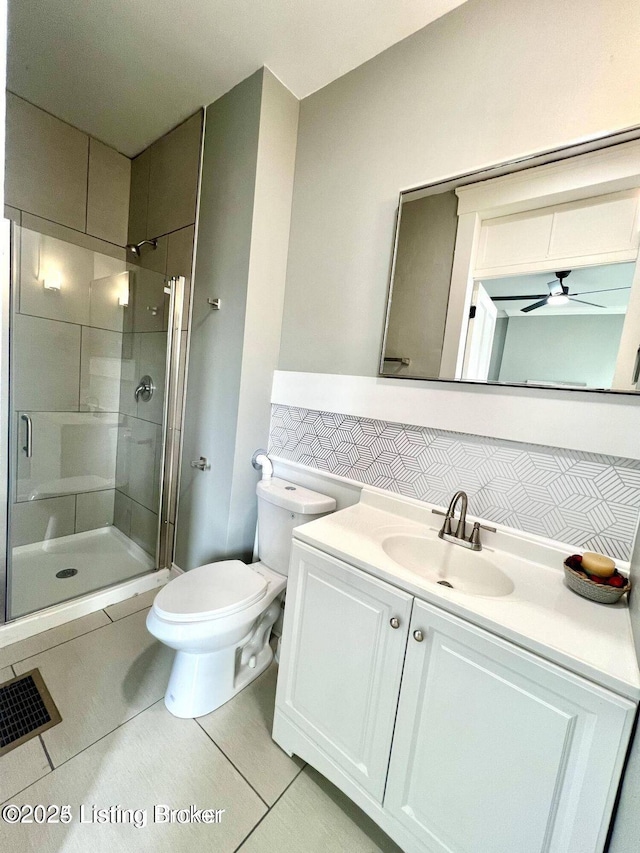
<point x="446" y="527"/>
<point x="475" y="533"/>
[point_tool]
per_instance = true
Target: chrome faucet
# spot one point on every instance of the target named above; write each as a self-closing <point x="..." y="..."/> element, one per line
<point x="460" y="536"/>
<point x="461" y="527"/>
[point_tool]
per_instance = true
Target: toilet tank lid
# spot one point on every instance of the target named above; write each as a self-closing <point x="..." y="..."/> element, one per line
<point x="293" y="497"/>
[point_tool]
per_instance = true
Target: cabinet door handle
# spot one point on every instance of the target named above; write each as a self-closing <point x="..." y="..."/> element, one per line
<point x="394" y="622"/>
<point x="418" y="636"/>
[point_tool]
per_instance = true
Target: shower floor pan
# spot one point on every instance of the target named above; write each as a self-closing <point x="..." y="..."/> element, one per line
<point x="100" y="557"/>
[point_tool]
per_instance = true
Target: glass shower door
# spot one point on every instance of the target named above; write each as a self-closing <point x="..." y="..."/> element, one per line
<point x="91" y="338"/>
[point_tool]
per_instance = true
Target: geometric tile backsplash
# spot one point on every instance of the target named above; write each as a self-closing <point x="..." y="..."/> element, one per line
<point x="587" y="500"/>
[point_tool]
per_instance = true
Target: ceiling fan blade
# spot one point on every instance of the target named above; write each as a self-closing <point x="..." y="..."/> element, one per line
<point x="534" y="306"/>
<point x="519" y="296"/>
<point x="583" y="302"/>
<point x="606" y="290"/>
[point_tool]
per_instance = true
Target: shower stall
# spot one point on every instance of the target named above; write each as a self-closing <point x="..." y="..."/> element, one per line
<point x="92" y="363"/>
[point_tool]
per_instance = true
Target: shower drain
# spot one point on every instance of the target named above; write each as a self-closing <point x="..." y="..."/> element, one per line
<point x="66" y="573"/>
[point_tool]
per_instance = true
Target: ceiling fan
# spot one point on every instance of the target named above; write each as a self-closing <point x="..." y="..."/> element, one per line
<point x="558" y="294"/>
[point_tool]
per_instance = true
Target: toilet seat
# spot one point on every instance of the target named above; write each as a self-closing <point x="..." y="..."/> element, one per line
<point x="210" y="592"/>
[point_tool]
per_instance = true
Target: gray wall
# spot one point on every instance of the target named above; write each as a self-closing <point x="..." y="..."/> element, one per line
<point x="499" y="337"/>
<point x="489" y="82"/>
<point x="245" y="205"/>
<point x="579" y="349"/>
<point x="421" y="279"/>
<point x="467" y="91"/>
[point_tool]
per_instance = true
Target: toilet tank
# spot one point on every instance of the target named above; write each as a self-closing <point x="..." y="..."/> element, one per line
<point x="281" y="507"/>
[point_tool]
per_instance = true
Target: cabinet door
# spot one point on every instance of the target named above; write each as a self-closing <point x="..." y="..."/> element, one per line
<point x="341" y="662"/>
<point x="498" y="751"/>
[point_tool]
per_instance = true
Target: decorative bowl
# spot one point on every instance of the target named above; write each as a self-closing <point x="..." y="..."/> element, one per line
<point x="587" y="588"/>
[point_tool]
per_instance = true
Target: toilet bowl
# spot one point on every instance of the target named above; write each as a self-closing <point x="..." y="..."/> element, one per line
<point x="206" y="615"/>
<point x="218" y="617"/>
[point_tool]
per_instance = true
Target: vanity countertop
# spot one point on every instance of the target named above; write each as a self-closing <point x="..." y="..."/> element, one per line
<point x="541" y="614"/>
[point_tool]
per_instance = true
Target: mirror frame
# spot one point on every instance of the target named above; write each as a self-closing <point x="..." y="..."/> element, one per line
<point x="507" y="167"/>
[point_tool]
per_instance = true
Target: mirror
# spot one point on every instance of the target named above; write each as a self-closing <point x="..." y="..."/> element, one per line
<point x="523" y="274"/>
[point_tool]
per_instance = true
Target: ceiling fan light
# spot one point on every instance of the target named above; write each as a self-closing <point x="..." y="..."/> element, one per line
<point x="558" y="299"/>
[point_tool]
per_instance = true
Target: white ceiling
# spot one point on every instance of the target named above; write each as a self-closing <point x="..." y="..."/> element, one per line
<point x="613" y="281"/>
<point x="126" y="71"/>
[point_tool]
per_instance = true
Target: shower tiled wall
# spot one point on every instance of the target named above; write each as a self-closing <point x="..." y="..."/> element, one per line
<point x="78" y="356"/>
<point x="589" y="501"/>
<point x="67" y="347"/>
<point x="139" y="453"/>
<point x="71" y="195"/>
<point x="79" y="351"/>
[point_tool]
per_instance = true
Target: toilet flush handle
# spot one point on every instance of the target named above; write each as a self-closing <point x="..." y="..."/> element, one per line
<point x="201" y="464"/>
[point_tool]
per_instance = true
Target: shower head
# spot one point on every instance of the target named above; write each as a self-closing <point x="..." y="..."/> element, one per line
<point x="134" y="248"/>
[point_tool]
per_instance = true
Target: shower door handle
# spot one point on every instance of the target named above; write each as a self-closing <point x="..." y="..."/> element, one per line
<point x="28" y="447"/>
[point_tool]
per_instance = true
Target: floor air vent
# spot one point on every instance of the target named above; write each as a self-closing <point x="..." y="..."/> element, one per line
<point x="26" y="710"/>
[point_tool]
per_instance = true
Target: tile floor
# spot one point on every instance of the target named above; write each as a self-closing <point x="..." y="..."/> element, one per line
<point x="118" y="746"/>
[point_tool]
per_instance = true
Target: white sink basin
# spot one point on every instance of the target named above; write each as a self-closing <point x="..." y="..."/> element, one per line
<point x="439" y="561"/>
<point x="514" y="588"/>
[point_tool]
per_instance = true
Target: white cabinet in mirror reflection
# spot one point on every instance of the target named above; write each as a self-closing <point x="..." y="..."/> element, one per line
<point x="599" y="230"/>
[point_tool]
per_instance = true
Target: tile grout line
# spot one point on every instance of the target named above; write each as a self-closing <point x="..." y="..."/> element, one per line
<point x="240" y="773"/>
<point x="268" y="812"/>
<point x="80" y="359"/>
<point x="71" y="639"/>
<point x="85" y="748"/>
<point x="74" y="323"/>
<point x="106" y="734"/>
<point x="133" y="612"/>
<point x="46" y="752"/>
<point x="103" y="250"/>
<point x="124" y="493"/>
<point x="86" y="200"/>
<point x="55" y="645"/>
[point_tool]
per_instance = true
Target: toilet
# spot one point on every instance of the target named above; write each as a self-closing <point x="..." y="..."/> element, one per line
<point x="219" y="617"/>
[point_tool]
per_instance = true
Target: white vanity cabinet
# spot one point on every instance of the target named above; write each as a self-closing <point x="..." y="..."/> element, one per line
<point x="341" y="663"/>
<point x="497" y="750"/>
<point x="493" y="749"/>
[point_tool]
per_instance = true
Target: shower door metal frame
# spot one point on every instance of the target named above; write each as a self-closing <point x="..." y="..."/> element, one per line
<point x="8" y="242"/>
<point x="170" y="462"/>
<point x="172" y="407"/>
